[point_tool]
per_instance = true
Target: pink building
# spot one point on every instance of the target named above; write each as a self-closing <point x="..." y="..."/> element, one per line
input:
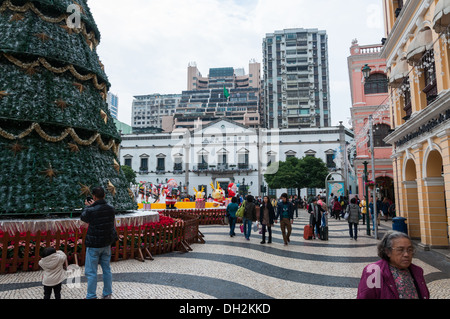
<point x="370" y="96"/>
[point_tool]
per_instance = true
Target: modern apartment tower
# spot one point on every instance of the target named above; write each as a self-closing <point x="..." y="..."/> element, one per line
<point x="113" y="104"/>
<point x="296" y="85"/>
<point x="205" y="100"/>
<point x="149" y="110"/>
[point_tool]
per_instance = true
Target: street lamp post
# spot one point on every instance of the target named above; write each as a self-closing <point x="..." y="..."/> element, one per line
<point x="366" y="73"/>
<point x="372" y="151"/>
<point x="366" y="188"/>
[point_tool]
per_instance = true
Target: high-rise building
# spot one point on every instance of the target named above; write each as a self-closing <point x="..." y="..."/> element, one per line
<point x="113" y="104"/>
<point x="296" y="79"/>
<point x="205" y="100"/>
<point x="149" y="110"/>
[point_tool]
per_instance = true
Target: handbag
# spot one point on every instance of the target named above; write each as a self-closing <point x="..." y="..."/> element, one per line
<point x="240" y="211"/>
<point x="347" y="214"/>
<point x="242" y="228"/>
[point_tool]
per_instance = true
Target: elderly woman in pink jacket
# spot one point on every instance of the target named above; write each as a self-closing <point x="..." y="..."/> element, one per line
<point x="394" y="276"/>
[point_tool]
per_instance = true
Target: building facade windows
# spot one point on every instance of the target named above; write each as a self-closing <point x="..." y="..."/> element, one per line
<point x="377" y="83"/>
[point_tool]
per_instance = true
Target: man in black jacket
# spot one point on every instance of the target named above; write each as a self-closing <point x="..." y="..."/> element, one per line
<point x="285" y="210"/>
<point x="100" y="235"/>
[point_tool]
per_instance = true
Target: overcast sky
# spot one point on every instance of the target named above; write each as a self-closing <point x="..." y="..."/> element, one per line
<point x="146" y="45"/>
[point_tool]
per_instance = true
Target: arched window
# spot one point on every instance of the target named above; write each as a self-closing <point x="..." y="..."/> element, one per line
<point x="376" y="83"/>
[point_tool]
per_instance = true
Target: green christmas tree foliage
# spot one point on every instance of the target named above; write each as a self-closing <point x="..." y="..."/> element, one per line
<point x="57" y="137"/>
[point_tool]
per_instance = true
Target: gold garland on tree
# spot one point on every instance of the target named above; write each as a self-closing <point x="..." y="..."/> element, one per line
<point x="55" y="139"/>
<point x="42" y="61"/>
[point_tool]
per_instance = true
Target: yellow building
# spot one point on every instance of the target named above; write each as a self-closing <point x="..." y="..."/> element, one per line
<point x="417" y="54"/>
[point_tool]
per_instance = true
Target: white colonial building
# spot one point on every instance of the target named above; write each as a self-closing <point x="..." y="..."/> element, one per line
<point x="225" y="151"/>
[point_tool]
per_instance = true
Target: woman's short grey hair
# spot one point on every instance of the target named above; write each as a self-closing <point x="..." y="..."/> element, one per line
<point x="385" y="244"/>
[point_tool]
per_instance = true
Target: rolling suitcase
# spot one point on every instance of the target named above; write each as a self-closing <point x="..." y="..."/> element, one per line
<point x="324" y="229"/>
<point x="308" y="232"/>
<point x="324" y="232"/>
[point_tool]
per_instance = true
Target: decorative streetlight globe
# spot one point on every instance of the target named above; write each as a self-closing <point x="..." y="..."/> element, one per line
<point x="366" y="71"/>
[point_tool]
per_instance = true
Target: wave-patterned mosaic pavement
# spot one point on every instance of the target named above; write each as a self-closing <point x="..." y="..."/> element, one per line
<point x="234" y="268"/>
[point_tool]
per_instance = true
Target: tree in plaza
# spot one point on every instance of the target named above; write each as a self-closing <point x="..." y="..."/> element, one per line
<point x="57" y="137"/>
<point x="307" y="172"/>
<point x="130" y="175"/>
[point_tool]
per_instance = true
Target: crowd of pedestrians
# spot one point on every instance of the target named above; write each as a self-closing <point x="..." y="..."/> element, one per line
<point x="319" y="208"/>
<point x="397" y="277"/>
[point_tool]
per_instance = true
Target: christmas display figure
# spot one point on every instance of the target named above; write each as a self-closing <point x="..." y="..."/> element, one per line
<point x="57" y="137"/>
<point x="218" y="195"/>
<point x="232" y="189"/>
<point x="172" y="193"/>
<point x="200" y="198"/>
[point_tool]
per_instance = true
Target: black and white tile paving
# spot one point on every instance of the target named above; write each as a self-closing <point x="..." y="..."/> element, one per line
<point x="234" y="268"/>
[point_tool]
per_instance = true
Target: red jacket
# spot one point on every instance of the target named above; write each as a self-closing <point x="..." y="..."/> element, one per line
<point x="337" y="206"/>
<point x="383" y="287"/>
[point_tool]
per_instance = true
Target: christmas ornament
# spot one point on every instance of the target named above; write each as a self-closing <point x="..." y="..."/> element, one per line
<point x="104" y="116"/>
<point x="116" y="166"/>
<point x="3" y="94"/>
<point x="50" y="172"/>
<point x="111" y="188"/>
<point x="79" y="86"/>
<point x="85" y="190"/>
<point x="42" y="36"/>
<point x="61" y="104"/>
<point x="17" y="17"/>
<point x="74" y="148"/>
<point x="16" y="148"/>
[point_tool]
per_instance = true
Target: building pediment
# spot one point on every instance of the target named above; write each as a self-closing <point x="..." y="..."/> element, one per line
<point x="310" y="152"/>
<point x="223" y="126"/>
<point x="243" y="151"/>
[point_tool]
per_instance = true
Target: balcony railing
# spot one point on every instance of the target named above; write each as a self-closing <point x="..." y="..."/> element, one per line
<point x="205" y="168"/>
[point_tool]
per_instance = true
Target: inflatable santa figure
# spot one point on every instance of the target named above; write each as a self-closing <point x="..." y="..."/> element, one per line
<point x="172" y="192"/>
<point x="232" y="189"/>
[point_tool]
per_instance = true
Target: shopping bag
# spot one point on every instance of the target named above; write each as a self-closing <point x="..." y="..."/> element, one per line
<point x="240" y="211"/>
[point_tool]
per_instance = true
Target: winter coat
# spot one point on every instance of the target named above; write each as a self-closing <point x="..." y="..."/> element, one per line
<point x="315" y="215"/>
<point x="271" y="214"/>
<point x="354" y="211"/>
<point x="280" y="210"/>
<point x="337" y="206"/>
<point x="250" y="211"/>
<point x="386" y="288"/>
<point x="101" y="219"/>
<point x="232" y="209"/>
<point x="54" y="273"/>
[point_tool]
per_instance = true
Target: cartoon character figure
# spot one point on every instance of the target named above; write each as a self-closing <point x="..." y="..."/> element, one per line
<point x="232" y="189"/>
<point x="218" y="195"/>
<point x="172" y="193"/>
<point x="199" y="198"/>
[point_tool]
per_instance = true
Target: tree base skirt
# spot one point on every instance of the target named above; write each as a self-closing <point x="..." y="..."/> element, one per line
<point x="13" y="226"/>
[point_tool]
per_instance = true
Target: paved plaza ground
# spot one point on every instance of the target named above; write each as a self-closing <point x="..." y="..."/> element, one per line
<point x="234" y="268"/>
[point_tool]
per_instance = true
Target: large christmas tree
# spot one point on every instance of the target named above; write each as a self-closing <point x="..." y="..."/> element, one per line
<point x="57" y="138"/>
